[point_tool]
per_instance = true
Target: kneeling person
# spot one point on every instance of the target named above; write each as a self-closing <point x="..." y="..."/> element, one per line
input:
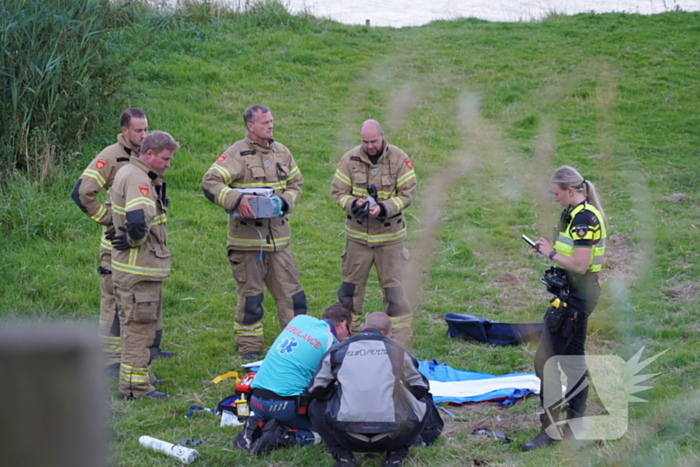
<point x="369" y="396"/>
<point x="286" y="372"/>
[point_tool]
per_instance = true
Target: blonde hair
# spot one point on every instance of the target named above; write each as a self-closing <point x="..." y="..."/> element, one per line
<point x="158" y="141"/>
<point x="567" y="176"/>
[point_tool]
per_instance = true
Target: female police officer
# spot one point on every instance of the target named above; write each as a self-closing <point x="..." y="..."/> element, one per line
<point x="577" y="253"/>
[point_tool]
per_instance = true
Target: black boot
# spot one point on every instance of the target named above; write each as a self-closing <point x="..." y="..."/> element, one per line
<point x="155" y="349"/>
<point x="542" y="439"/>
<point x="272" y="436"/>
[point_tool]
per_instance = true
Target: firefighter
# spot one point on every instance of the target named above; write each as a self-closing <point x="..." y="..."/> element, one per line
<point x="140" y="259"/>
<point x="98" y="176"/>
<point x="373" y="184"/>
<point x="258" y="248"/>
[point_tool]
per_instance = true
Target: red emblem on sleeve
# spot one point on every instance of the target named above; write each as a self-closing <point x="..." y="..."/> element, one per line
<point x="144" y="190"/>
<point x="100" y="163"/>
<point x="222" y="157"/>
<point x="409" y="164"/>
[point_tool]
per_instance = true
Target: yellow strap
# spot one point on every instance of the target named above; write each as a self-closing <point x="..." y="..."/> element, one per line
<point x="230" y="374"/>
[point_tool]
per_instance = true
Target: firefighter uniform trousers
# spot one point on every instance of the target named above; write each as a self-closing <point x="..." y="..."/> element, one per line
<point x="391" y="262"/>
<point x="376" y="240"/>
<point x="278" y="271"/>
<point x="140" y="312"/>
<point x="109" y="316"/>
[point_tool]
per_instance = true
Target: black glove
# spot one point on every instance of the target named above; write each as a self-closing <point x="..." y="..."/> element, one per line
<point x="110" y="233"/>
<point x="360" y="211"/>
<point x="121" y="242"/>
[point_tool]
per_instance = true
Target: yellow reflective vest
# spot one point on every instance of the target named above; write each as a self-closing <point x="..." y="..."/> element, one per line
<point x="395" y="181"/>
<point x="593" y="232"/>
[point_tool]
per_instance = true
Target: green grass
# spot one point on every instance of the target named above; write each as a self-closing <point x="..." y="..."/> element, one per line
<point x="486" y="111"/>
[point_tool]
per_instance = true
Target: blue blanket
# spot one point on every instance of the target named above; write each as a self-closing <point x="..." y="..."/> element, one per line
<point x="459" y="386"/>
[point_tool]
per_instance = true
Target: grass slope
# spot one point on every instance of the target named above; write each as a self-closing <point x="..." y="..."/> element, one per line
<point x="486" y="111"/>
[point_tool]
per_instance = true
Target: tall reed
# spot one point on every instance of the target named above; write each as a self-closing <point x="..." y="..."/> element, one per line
<point x="53" y="78"/>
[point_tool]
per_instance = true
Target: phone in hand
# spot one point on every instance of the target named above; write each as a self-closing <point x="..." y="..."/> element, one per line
<point x="529" y="241"/>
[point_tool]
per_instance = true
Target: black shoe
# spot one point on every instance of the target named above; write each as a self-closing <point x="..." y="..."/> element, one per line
<point x="345" y="459"/>
<point x="158" y="382"/>
<point x="272" y="436"/>
<point x="254" y="355"/>
<point x="393" y="459"/>
<point x="112" y="370"/>
<point x="163" y="354"/>
<point x="540" y="441"/>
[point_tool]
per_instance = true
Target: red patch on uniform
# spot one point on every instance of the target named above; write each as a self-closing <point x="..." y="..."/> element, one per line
<point x="144" y="190"/>
<point x="100" y="163"/>
<point x="409" y="164"/>
<point x="222" y="157"/>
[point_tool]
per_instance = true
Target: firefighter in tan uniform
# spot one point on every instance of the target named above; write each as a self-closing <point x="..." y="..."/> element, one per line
<point x="98" y="176"/>
<point x="140" y="259"/>
<point x="258" y="248"/>
<point x="374" y="183"/>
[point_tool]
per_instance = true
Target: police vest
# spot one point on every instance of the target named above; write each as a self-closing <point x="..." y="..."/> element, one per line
<point x="564" y="243"/>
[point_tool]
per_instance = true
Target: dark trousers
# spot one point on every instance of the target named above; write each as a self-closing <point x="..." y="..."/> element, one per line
<point x="285" y="412"/>
<point x="338" y="441"/>
<point x="556" y="345"/>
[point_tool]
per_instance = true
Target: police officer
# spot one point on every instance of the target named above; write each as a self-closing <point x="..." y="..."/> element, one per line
<point x="577" y="253"/>
<point x="98" y="176"/>
<point x="258" y="248"/>
<point x="373" y="184"/>
<point x="140" y="259"/>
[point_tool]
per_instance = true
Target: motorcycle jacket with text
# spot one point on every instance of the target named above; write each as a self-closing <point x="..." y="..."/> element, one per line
<point x="372" y="384"/>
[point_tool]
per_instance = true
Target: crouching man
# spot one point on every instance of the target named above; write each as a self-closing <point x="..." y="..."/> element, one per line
<point x="368" y="396"/>
<point x="279" y="402"/>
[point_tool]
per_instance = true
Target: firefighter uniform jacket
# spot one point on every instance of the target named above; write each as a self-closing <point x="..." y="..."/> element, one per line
<point x="395" y="181"/>
<point x="247" y="164"/>
<point x="99" y="175"/>
<point x="138" y="198"/>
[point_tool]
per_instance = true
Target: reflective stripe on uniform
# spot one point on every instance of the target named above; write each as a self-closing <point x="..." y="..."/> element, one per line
<point x="141" y="271"/>
<point x="225" y="174"/>
<point x="405" y="177"/>
<point x="221" y="198"/>
<point x="159" y="219"/>
<point x="94" y="174"/>
<point x="248" y="331"/>
<point x="342" y="177"/>
<point x="106" y="244"/>
<point x="99" y="214"/>
<point x="375" y="238"/>
<point x="247" y="242"/>
<point x="133" y="374"/>
<point x="400" y="322"/>
<point x="111" y="344"/>
<point x="344" y="200"/>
